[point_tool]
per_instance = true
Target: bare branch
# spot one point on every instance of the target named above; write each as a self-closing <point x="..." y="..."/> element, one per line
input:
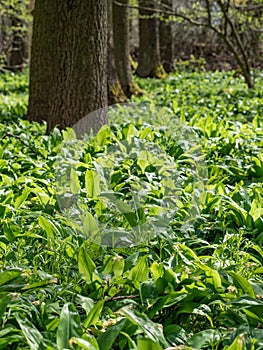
<point x="235" y="33"/>
<point x="171" y="13"/>
<point x="121" y="297"/>
<point x="9" y="134"/>
<point x="208" y="12"/>
<point x="249" y="8"/>
<point x="235" y="45"/>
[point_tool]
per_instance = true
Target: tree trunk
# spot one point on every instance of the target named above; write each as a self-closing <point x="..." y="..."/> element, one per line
<point x="115" y="92"/>
<point x="17" y="56"/>
<point x="2" y="38"/>
<point x="122" y="47"/>
<point x="13" y="36"/>
<point x="166" y="37"/>
<point x="149" y="51"/>
<point x="68" y="77"/>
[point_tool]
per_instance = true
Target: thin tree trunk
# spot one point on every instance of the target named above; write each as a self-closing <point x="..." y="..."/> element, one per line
<point x="166" y="37"/>
<point x="149" y="51"/>
<point x="68" y="76"/>
<point x="122" y="47"/>
<point x="115" y="92"/>
<point x="18" y="46"/>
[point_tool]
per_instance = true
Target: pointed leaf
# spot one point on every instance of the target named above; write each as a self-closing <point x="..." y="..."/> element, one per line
<point x="69" y="326"/>
<point x="22" y="198"/>
<point x="107" y="339"/>
<point x="241" y="282"/>
<point x="85" y="263"/>
<point x="74" y="182"/>
<point x="92" y="183"/>
<point x="33" y="337"/>
<point x="147" y="344"/>
<point x="94" y="314"/>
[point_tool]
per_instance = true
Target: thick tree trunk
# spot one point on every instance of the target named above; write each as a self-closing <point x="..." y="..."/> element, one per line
<point x="166" y="37"/>
<point x="149" y="51"/>
<point x="115" y="92"/>
<point x="68" y="76"/>
<point x="122" y="47"/>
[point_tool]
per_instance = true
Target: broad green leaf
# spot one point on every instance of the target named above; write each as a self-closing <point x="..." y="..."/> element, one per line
<point x="68" y="135"/>
<point x="70" y="249"/>
<point x="166" y="302"/>
<point x="33" y="337"/>
<point x="85" y="344"/>
<point x="102" y="136"/>
<point x="196" y="309"/>
<point x="9" y="275"/>
<point x="188" y="251"/>
<point x="42" y="195"/>
<point x="85" y="263"/>
<point x="132" y="345"/>
<point x="48" y="226"/>
<point x="151" y="330"/>
<point x="148" y="290"/>
<point x="247" y="301"/>
<point x="258" y="249"/>
<point x="256" y="211"/>
<point x="22" y="198"/>
<point x="212" y="275"/>
<point x="143" y="160"/>
<point x="241" y="282"/>
<point x="202" y="339"/>
<point x="5" y="299"/>
<point x="238" y="343"/>
<point x="90" y="225"/>
<point x="94" y="314"/>
<point x="140" y="271"/>
<point x="115" y="265"/>
<point x="157" y="270"/>
<point x="253" y="318"/>
<point x="74" y="181"/>
<point x="148" y="344"/>
<point x="37" y="285"/>
<point x="92" y="183"/>
<point x="5" y="343"/>
<point x="129" y="131"/>
<point x="69" y="326"/>
<point x="107" y="339"/>
<point x="146" y="133"/>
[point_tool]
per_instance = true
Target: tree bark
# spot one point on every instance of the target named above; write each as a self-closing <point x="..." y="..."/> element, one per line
<point x="68" y="76"/>
<point x="13" y="35"/>
<point x="149" y="50"/>
<point x="122" y="47"/>
<point x="17" y="56"/>
<point x="166" y="37"/>
<point x="115" y="92"/>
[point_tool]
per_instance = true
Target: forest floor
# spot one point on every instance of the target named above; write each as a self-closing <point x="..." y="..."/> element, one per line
<point x="146" y="236"/>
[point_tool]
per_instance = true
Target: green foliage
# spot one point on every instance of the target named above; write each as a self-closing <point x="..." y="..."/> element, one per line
<point x="13" y="95"/>
<point x="196" y="287"/>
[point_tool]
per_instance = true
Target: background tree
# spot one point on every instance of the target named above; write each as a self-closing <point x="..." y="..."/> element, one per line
<point x="228" y="33"/>
<point x="122" y="47"/>
<point x="115" y="92"/>
<point x="149" y="64"/>
<point x="14" y="34"/>
<point x="18" y="50"/>
<point x="167" y="37"/>
<point x="68" y="75"/>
